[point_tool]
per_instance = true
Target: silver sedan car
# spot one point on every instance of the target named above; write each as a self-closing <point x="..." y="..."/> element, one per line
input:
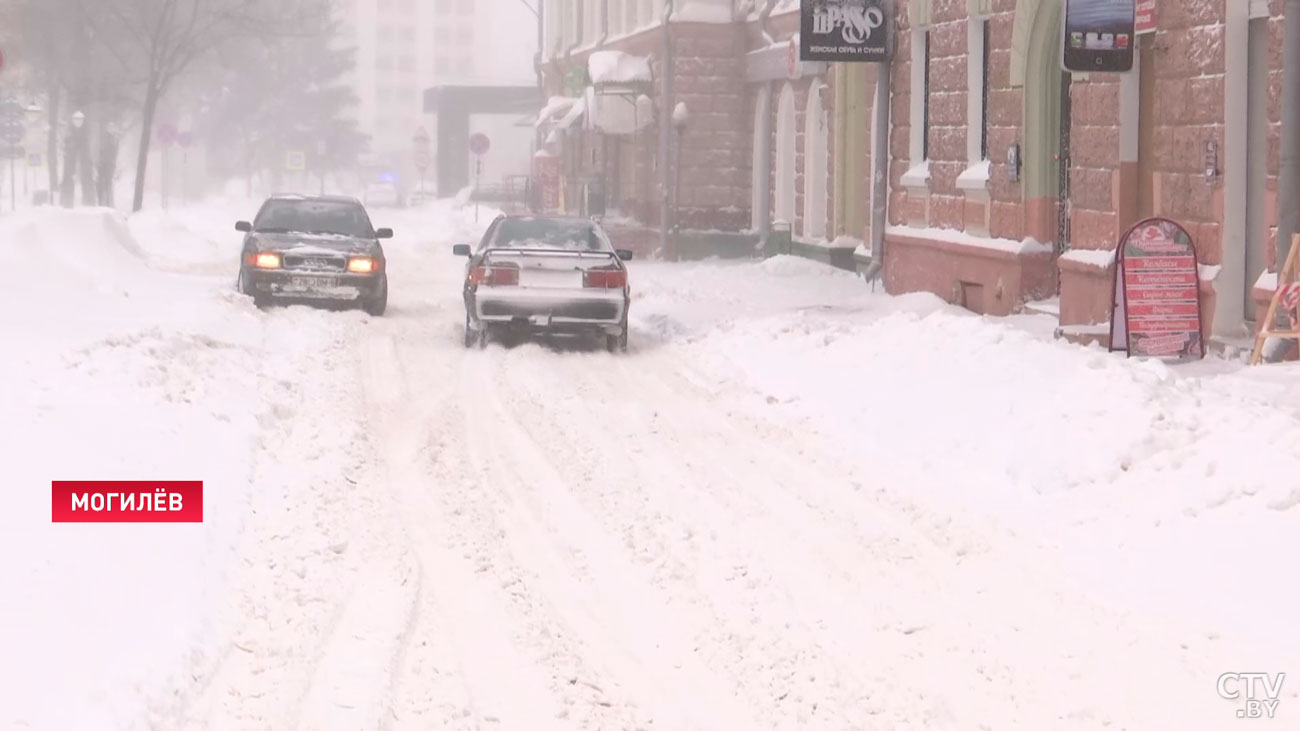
<point x="546" y="274"/>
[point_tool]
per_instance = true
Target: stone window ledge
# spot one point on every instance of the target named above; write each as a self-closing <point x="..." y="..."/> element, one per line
<point x="917" y="177"/>
<point x="976" y="177"/>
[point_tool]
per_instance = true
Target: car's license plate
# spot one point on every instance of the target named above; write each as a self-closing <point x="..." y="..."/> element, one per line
<point x="313" y="282"/>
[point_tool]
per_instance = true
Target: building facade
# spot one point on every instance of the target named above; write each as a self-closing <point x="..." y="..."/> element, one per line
<point x="1009" y="181"/>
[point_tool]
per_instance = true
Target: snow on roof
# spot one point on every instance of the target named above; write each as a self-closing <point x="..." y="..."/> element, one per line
<point x="706" y="11"/>
<point x="616" y="67"/>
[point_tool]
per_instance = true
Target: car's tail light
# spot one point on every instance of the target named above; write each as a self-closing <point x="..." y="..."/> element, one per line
<point x="605" y="278"/>
<point x="363" y="265"/>
<point x="495" y="276"/>
<point x="267" y="261"/>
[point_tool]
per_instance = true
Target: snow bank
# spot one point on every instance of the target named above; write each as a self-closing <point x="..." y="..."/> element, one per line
<point x="121" y="372"/>
<point x="182" y="240"/>
<point x="1154" y="483"/>
<point x="784" y="266"/>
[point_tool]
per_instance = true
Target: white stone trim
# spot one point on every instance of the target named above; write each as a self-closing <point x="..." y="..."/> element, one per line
<point x="974" y="89"/>
<point x="783" y="204"/>
<point x="916" y="146"/>
<point x="917" y="177"/>
<point x="816" y="163"/>
<point x="1130" y="100"/>
<point x="976" y="177"/>
<point x="919" y="14"/>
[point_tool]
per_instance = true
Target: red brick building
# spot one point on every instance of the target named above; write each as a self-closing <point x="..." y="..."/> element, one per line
<point x="1010" y="181"/>
<point x="1202" y="96"/>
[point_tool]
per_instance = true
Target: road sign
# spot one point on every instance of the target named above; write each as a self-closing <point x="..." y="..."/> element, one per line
<point x="295" y="160"/>
<point x="11" y="133"/>
<point x="9" y="152"/>
<point x="167" y="133"/>
<point x="2" y="59"/>
<point x="422" y="156"/>
<point x="479" y="144"/>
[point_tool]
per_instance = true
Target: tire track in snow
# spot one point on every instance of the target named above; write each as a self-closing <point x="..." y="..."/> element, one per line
<point x="312" y="530"/>
<point x="588" y="577"/>
<point x="467" y="665"/>
<point x="759" y="643"/>
<point x="1008" y="623"/>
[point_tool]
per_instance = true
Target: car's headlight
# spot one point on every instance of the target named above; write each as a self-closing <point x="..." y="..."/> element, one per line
<point x="362" y="265"/>
<point x="267" y="261"/>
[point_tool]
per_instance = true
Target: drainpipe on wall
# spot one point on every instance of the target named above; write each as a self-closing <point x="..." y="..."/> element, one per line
<point x="666" y="136"/>
<point x="1289" y="177"/>
<point x="764" y="141"/>
<point x="880" y="161"/>
<point x="1288" y="187"/>
<point x="764" y="135"/>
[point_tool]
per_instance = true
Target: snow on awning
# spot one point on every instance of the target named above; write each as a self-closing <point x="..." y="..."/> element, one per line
<point x="555" y="106"/>
<point x="616" y="67"/>
<point x="576" y="112"/>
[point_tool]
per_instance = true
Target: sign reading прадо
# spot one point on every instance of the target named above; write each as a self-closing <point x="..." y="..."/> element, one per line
<point x="844" y="30"/>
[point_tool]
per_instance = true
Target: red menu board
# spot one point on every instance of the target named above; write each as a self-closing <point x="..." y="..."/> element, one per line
<point x="546" y="171"/>
<point x="1157" y="308"/>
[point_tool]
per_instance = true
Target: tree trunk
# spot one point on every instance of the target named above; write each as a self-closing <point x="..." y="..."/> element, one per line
<point x="52" y="144"/>
<point x="146" y="134"/>
<point x="89" y="193"/>
<point x="68" y="188"/>
<point x="107" y="167"/>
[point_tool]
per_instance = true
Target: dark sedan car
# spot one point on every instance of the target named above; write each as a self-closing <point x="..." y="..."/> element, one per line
<point x="314" y="248"/>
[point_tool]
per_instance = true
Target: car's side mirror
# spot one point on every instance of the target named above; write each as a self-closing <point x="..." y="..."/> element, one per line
<point x="384" y="233"/>
<point x="244" y="226"/>
<point x="624" y="254"/>
<point x="460" y="250"/>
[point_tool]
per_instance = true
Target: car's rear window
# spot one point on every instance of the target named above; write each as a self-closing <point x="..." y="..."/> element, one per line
<point x="548" y="233"/>
<point x="314" y="216"/>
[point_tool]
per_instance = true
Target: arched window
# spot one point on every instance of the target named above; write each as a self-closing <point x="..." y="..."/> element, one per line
<point x="785" y="156"/>
<point x="815" y="155"/>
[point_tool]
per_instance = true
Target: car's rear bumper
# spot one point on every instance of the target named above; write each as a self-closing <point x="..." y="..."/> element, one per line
<point x="288" y="284"/>
<point x="550" y="310"/>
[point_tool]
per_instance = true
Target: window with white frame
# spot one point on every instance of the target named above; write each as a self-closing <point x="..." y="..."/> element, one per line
<point x="977" y="111"/>
<point x="919" y="147"/>
<point x="919" y="12"/>
<point x="979" y="46"/>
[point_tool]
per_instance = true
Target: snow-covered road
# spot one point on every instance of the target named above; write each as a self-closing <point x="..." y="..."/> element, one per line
<point x="794" y="504"/>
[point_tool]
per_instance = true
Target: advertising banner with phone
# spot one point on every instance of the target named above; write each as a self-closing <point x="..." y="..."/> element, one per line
<point x="1156" y="311"/>
<point x="1099" y="36"/>
<point x="844" y="30"/>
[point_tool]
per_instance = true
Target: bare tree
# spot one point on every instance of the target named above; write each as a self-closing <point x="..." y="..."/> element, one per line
<point x="169" y="36"/>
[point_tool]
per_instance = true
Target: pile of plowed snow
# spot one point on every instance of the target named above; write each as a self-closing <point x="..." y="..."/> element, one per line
<point x="113" y="370"/>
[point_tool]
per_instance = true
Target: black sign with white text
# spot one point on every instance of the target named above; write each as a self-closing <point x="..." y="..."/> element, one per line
<point x="844" y="30"/>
